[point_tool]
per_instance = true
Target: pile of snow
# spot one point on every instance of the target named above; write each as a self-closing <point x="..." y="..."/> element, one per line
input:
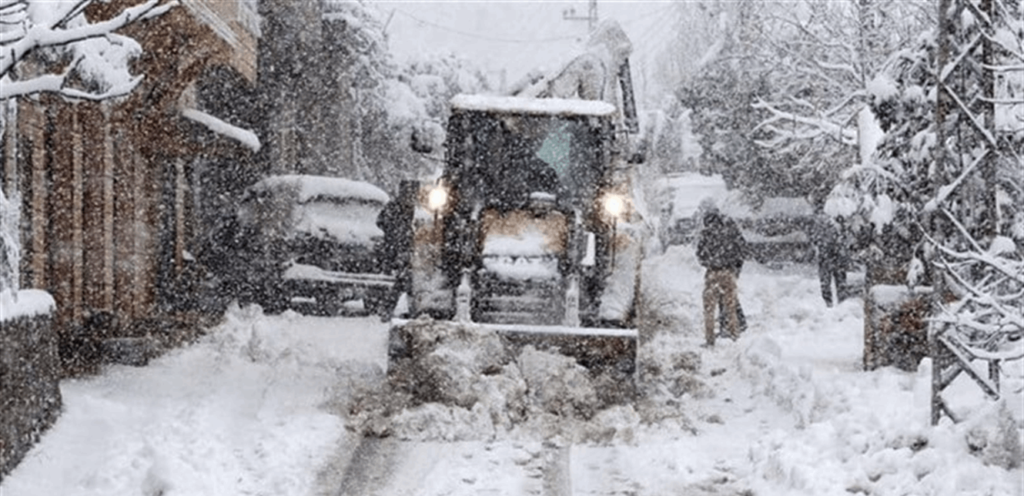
<point x="25" y="303"/>
<point x="239" y="412"/>
<point x="463" y="382"/>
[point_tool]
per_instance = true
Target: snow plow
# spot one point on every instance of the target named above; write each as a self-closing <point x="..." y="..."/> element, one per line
<point x="531" y="231"/>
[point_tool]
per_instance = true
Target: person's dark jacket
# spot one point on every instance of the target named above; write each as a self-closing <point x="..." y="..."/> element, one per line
<point x="829" y="241"/>
<point x="395" y="220"/>
<point x="721" y="245"/>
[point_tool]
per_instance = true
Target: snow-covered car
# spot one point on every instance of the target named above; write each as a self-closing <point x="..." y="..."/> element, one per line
<point x="777" y="230"/>
<point x="309" y="242"/>
<point x="680" y="197"/>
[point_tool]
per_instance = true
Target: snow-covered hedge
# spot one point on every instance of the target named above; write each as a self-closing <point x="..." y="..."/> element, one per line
<point x="30" y="398"/>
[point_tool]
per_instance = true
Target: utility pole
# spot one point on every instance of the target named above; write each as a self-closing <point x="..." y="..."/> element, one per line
<point x="591" y="17"/>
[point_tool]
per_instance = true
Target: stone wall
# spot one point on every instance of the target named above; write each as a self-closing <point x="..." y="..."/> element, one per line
<point x="30" y="399"/>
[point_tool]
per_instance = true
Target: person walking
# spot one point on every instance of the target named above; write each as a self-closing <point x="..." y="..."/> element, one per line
<point x="395" y="220"/>
<point x="720" y="251"/>
<point x="831" y="252"/>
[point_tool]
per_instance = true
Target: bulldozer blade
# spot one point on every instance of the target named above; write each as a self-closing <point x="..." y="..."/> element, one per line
<point x="599" y="350"/>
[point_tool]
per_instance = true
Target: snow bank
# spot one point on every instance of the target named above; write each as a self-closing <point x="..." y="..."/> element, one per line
<point x="869" y="433"/>
<point x="847" y="431"/>
<point x="25" y="303"/>
<point x="239" y="412"/>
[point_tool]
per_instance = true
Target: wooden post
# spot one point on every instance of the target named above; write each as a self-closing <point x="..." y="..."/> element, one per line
<point x="108" y="209"/>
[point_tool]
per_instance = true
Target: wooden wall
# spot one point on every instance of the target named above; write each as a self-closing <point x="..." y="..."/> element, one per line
<point x="107" y="188"/>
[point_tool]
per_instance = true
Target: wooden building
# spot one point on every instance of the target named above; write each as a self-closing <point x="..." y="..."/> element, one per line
<point x="115" y="194"/>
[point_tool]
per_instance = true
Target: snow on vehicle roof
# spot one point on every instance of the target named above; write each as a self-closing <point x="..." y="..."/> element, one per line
<point x="688" y="191"/>
<point x="787" y="206"/>
<point x="540" y="106"/>
<point x="311" y="187"/>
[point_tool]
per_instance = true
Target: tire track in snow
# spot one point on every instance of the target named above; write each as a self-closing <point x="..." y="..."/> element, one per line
<point x="371" y="467"/>
<point x="557" y="474"/>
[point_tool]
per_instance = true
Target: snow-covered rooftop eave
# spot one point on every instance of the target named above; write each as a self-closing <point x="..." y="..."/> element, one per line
<point x="244" y="136"/>
<point x="537" y="106"/>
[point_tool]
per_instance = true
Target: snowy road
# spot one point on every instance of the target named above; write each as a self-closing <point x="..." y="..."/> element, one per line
<point x="260" y="406"/>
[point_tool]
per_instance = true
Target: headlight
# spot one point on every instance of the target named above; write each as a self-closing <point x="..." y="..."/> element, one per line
<point x="614" y="205"/>
<point x="437" y="198"/>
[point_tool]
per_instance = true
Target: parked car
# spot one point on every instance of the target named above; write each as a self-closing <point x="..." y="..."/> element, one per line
<point x="777" y="230"/>
<point x="680" y="199"/>
<point x="306" y="243"/>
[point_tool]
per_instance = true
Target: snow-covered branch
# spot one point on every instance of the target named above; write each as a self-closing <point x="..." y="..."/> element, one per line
<point x="66" y="28"/>
<point x="988" y="315"/>
<point x="820" y="125"/>
<point x="945" y="190"/>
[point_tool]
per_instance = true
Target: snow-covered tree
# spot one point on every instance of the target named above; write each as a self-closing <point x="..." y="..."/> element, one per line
<point x="398" y="111"/>
<point x="418" y="109"/>
<point x="950" y="171"/>
<point x="790" y="77"/>
<point x="823" y="54"/>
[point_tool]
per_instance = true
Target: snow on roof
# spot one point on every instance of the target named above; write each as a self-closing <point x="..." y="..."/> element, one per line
<point x="310" y="187"/>
<point x="541" y="106"/>
<point x="242" y="135"/>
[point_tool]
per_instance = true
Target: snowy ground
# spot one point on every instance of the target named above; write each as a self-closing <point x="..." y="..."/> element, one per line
<point x="259" y="405"/>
